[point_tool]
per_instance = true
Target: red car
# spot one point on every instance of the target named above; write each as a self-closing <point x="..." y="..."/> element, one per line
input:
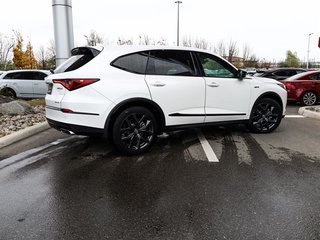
<point x="304" y="87"/>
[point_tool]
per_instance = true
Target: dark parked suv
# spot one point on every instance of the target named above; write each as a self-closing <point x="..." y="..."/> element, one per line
<point x="281" y="73"/>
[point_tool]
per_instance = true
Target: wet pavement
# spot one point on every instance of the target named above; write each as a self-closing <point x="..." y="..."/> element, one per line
<point x="264" y="186"/>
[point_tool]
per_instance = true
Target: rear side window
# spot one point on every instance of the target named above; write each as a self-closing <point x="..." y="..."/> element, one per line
<point x="80" y="56"/>
<point x="26" y="75"/>
<point x="170" y="62"/>
<point x="135" y="63"/>
<point x="11" y="76"/>
<point x="315" y="77"/>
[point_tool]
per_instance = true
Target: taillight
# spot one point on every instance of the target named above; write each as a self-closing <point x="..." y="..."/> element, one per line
<point x="72" y="84"/>
<point x="289" y="85"/>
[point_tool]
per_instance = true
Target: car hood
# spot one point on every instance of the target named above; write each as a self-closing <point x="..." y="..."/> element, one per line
<point x="265" y="80"/>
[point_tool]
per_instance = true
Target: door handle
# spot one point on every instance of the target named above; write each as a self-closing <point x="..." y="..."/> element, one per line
<point x="213" y="84"/>
<point x="157" y="84"/>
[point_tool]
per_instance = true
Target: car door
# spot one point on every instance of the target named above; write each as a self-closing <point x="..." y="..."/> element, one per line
<point x="227" y="97"/>
<point x="316" y="81"/>
<point x="175" y="85"/>
<point x="39" y="85"/>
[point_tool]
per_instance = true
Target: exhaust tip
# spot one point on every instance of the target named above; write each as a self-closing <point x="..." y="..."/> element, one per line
<point x="66" y="131"/>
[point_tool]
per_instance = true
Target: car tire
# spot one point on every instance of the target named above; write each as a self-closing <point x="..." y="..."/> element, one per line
<point x="8" y="92"/>
<point x="265" y="116"/>
<point x="134" y="130"/>
<point x="309" y="98"/>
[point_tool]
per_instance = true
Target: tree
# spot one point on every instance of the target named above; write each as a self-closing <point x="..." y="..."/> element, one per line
<point x="123" y="41"/>
<point x="232" y="51"/>
<point x="162" y="42"/>
<point x="18" y="54"/>
<point x="198" y="43"/>
<point x="201" y="44"/>
<point x="6" y="44"/>
<point x="29" y="60"/>
<point x="221" y="49"/>
<point x="51" y="51"/>
<point x="249" y="59"/>
<point x="93" y="38"/>
<point x="291" y="60"/>
<point x="46" y="57"/>
<point x="23" y="59"/>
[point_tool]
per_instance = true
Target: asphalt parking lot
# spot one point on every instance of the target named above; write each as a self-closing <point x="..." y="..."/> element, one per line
<point x="217" y="182"/>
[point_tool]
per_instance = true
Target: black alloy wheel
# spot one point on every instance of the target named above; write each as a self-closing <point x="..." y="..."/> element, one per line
<point x="309" y="98"/>
<point x="134" y="131"/>
<point x="265" y="116"/>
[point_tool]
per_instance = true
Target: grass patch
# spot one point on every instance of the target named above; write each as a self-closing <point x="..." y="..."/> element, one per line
<point x="36" y="102"/>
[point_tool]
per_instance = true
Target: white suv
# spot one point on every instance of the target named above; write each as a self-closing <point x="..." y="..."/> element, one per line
<point x="24" y="83"/>
<point x="132" y="94"/>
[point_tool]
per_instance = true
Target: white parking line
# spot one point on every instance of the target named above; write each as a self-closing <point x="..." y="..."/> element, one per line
<point x="207" y="148"/>
<point x="294" y="116"/>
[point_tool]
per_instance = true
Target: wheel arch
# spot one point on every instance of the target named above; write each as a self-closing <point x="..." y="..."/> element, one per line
<point x="271" y="95"/>
<point x="10" y="89"/>
<point x="142" y="102"/>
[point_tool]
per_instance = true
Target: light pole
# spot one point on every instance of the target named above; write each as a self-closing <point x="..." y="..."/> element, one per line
<point x="178" y="2"/>
<point x="308" y="50"/>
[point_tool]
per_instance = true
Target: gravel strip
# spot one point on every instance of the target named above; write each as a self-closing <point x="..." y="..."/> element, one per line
<point x="10" y="124"/>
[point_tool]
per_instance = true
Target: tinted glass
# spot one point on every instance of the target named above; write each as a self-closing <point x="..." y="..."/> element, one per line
<point x="283" y="73"/>
<point x="315" y="77"/>
<point x="28" y="75"/>
<point x="170" y="62"/>
<point x="16" y="75"/>
<point x="216" y="67"/>
<point x="39" y="75"/>
<point x="9" y="76"/>
<point x="80" y="57"/>
<point x="70" y="64"/>
<point x="135" y="62"/>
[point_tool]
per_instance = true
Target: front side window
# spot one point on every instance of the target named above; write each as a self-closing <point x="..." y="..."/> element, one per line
<point x="216" y="67"/>
<point x="135" y="62"/>
<point x="39" y="76"/>
<point x="28" y="75"/>
<point x="170" y="62"/>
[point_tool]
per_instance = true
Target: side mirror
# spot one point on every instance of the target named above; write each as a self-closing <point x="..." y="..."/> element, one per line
<point x="241" y="74"/>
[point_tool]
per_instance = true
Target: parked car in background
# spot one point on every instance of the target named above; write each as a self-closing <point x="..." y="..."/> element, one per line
<point x="131" y="94"/>
<point x="24" y="83"/>
<point x="280" y="73"/>
<point x="250" y="71"/>
<point x="304" y="87"/>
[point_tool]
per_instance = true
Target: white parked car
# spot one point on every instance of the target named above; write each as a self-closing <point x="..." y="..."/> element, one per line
<point x="24" y="83"/>
<point x="132" y="94"/>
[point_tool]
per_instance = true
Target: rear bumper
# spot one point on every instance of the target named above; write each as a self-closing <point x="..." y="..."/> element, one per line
<point x="76" y="129"/>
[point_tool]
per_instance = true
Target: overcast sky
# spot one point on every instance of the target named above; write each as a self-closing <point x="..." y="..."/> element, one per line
<point x="270" y="28"/>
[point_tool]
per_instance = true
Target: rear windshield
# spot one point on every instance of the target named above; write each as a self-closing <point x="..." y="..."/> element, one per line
<point x="79" y="57"/>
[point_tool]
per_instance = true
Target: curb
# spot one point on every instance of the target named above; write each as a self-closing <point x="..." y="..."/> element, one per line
<point x="22" y="134"/>
<point x="307" y="113"/>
